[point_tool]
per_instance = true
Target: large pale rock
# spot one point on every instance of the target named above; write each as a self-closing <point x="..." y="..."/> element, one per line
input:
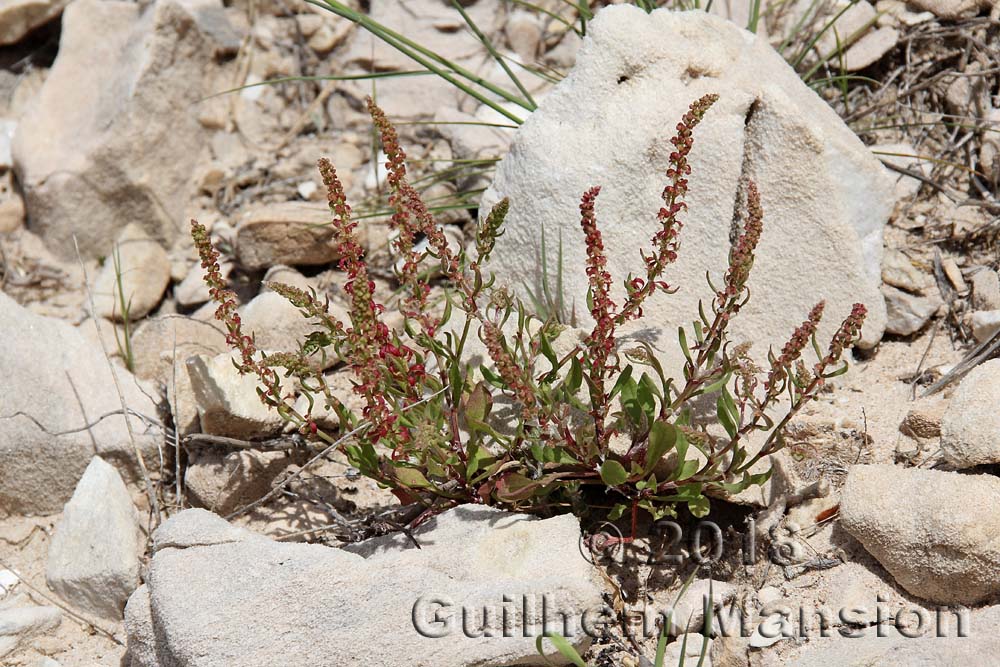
<point x="228" y="403"/>
<point x="143" y="269"/>
<point x="63" y="383"/>
<point x="349" y="609"/>
<point x="970" y="428"/>
<point x="938" y="639"/>
<point x="94" y="554"/>
<point x="19" y="625"/>
<point x="113" y="135"/>
<point x="825" y="197"/>
<point x="278" y="326"/>
<point x="19" y="17"/>
<point x="161" y="345"/>
<point x="937" y="533"/>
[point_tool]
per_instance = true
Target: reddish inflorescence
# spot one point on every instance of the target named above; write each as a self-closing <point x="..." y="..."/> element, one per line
<point x="792" y="350"/>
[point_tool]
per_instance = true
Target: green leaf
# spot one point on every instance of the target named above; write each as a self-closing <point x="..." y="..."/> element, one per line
<point x="478" y="406"/>
<point x="646" y="393"/>
<point x="617" y="511"/>
<point x="717" y="385"/>
<point x="733" y="488"/>
<point x="687" y="469"/>
<point x="681" y="447"/>
<point x="682" y="338"/>
<point x="725" y="418"/>
<point x="623" y="379"/>
<point x="547" y="351"/>
<point x="412" y="478"/>
<point x="662" y="438"/>
<point x="699" y="507"/>
<point x="575" y="378"/>
<point x="613" y="473"/>
<point x="456" y="382"/>
<point x="492" y="377"/>
<point x="563" y="646"/>
<point x="479" y="457"/>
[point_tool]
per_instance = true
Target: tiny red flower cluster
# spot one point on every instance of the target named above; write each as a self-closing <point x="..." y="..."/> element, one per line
<point x="792" y="350"/>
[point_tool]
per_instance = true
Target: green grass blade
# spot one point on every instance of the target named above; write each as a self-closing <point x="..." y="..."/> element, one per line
<point x="754" y="16"/>
<point x="488" y="43"/>
<point x="550" y="14"/>
<point x="307" y="79"/>
<point x="427" y="58"/>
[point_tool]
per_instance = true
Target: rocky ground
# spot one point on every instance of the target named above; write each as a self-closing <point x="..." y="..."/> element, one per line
<point x="153" y="512"/>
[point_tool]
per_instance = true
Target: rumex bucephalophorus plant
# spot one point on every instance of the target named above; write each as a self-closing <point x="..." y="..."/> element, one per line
<point x="596" y="416"/>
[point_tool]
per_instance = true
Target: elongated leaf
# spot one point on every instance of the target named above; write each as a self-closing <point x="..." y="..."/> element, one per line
<point x="613" y="473"/>
<point x="662" y="438"/>
<point x="725" y="418"/>
<point x="563" y="646"/>
<point x="412" y="478"/>
<point x="623" y="379"/>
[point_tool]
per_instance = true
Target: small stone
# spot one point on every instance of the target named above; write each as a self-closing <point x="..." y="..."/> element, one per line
<point x="936" y="532"/>
<point x="846" y="29"/>
<point x="985" y="324"/>
<point x="769" y="631"/>
<point x="524" y="34"/>
<point x="908" y="313"/>
<point x="94" y="555"/>
<point x="970" y="426"/>
<point x="986" y="290"/>
<point x="870" y="48"/>
<point x="954" y="274"/>
<point x="331" y="33"/>
<point x="285" y="275"/>
<point x="223" y="482"/>
<point x="952" y="9"/>
<point x="18" y="625"/>
<point x="228" y="403"/>
<point x="308" y="24"/>
<point x="730" y="651"/>
<point x="899" y="271"/>
<point x="193" y="290"/>
<point x="144" y="268"/>
<point x="690" y="645"/>
<point x="199" y="527"/>
<point x="906" y="157"/>
<point x="19" y="17"/>
<point x="989" y="151"/>
<point x="7" y="127"/>
<point x="291" y="233"/>
<point x="211" y="177"/>
<point x="11" y="213"/>
<point x="688" y="615"/>
<point x="923" y="423"/>
<point x="307" y="189"/>
<point x="8" y="580"/>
